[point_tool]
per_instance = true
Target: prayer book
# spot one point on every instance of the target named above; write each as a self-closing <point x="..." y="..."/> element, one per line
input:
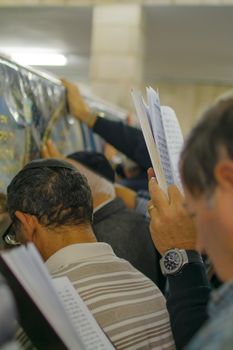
<point x="51" y="311"/>
<point x="163" y="137"/>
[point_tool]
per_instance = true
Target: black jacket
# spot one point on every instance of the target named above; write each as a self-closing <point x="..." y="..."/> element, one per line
<point x="127" y="139"/>
<point x="187" y="302"/>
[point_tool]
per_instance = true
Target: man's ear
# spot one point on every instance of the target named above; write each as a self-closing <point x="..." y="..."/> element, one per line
<point x="224" y="174"/>
<point x="28" y="223"/>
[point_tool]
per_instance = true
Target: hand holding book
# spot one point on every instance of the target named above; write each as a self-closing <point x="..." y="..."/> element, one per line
<point x="51" y="311"/>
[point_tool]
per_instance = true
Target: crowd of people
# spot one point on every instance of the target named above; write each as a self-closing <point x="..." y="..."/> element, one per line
<point x="155" y="273"/>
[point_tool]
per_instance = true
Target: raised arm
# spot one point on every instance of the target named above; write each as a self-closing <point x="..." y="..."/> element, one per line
<point x="127" y="139"/>
<point x="189" y="289"/>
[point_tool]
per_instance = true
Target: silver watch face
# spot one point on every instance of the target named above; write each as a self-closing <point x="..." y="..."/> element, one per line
<point x="172" y="261"/>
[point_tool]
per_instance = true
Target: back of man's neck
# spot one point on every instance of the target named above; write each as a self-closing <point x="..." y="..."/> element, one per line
<point x="67" y="236"/>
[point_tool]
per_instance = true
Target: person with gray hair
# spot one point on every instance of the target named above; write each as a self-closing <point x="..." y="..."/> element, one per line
<point x="202" y="222"/>
<point x="207" y="173"/>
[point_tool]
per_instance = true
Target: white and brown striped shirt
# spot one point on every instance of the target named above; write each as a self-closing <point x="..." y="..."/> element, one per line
<point x="127" y="305"/>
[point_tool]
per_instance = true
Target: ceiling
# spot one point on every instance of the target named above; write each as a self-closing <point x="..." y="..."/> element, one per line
<point x="65" y="29"/>
<point x="189" y="43"/>
<point x="182" y="43"/>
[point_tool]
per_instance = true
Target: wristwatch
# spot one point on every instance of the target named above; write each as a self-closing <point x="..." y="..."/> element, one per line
<point x="173" y="260"/>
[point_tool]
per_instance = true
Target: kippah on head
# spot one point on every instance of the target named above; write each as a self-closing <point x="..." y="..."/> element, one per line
<point x="50" y="163"/>
<point x="96" y="162"/>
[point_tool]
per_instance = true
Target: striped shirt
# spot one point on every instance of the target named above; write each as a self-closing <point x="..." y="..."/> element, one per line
<point x="127" y="305"/>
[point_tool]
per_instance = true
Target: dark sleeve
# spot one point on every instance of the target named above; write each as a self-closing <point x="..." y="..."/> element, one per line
<point x="125" y="138"/>
<point x="187" y="302"/>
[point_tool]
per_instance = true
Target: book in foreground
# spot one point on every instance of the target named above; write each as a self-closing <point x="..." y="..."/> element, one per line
<point x="50" y="310"/>
<point x="163" y="137"/>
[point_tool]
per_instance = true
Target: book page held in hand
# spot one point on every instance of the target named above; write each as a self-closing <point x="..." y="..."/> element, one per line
<point x="163" y="137"/>
<point x="155" y="116"/>
<point x="85" y="324"/>
<point x="27" y="267"/>
<point x="143" y="115"/>
<point x="174" y="140"/>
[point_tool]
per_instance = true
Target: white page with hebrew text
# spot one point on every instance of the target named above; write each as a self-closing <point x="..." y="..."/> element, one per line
<point x="85" y="324"/>
<point x="155" y="115"/>
<point x="174" y="140"/>
<point x="142" y="114"/>
<point x="28" y="267"/>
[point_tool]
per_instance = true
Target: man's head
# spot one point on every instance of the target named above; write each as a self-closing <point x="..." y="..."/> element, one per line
<point x="48" y="197"/>
<point x="207" y="173"/>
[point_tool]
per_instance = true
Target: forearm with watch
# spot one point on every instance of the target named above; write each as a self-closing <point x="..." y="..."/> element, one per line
<point x="172" y="227"/>
<point x="189" y="291"/>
